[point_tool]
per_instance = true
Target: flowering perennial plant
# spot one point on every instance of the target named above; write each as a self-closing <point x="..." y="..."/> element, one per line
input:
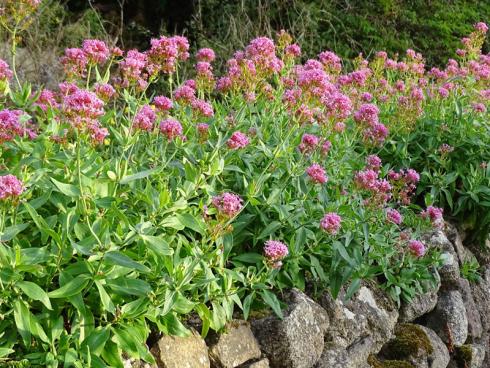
<point x="124" y="210"/>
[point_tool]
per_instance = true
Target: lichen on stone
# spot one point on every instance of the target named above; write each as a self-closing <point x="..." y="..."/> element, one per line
<point x="463" y="355"/>
<point x="376" y="363"/>
<point x="410" y="340"/>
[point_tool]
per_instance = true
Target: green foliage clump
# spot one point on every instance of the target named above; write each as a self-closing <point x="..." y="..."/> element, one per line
<point x="133" y="202"/>
<point x="348" y="28"/>
<point x="470" y="270"/>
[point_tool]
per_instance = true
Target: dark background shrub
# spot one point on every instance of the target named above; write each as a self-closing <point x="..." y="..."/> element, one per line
<point x="346" y="27"/>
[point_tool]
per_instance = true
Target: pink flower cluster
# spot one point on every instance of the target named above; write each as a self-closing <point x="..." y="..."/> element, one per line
<point x="76" y="60"/>
<point x="145" y="119"/>
<point x="203" y="131"/>
<point x="165" y="52"/>
<point x="5" y="72"/>
<point x="204" y="76"/>
<point x="80" y="105"/>
<point x="10" y="125"/>
<point x="373" y="162"/>
<point x="133" y="69"/>
<point x="309" y="143"/>
<point x="393" y="216"/>
<point x="206" y="54"/>
<point x="331" y="61"/>
<point x="331" y="223"/>
<point x="83" y="108"/>
<point x="228" y="204"/>
<point x="10" y="187"/>
<point x="292" y="51"/>
<point x="445" y="149"/>
<point x="96" y="51"/>
<point x="404" y="184"/>
<point x="47" y="99"/>
<point x="416" y="247"/>
<point x="275" y="251"/>
<point x="369" y="180"/>
<point x="317" y="174"/>
<point x="237" y="140"/>
<point x="374" y="131"/>
<point x="202" y="108"/>
<point x="262" y="52"/>
<point x="104" y="91"/>
<point x="163" y="103"/>
<point x="171" y="129"/>
<point x="186" y="95"/>
<point x="481" y="27"/>
<point x="435" y="215"/>
<point x="247" y="69"/>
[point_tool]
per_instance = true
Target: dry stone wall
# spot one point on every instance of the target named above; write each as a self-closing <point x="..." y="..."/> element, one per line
<point x="445" y="327"/>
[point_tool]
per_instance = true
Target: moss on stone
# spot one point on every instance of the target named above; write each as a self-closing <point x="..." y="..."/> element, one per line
<point x="410" y="340"/>
<point x="376" y="363"/>
<point x="463" y="355"/>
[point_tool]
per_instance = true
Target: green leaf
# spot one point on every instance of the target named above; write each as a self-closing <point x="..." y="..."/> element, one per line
<point x="157" y="244"/>
<point x="140" y="175"/>
<point x="125" y="286"/>
<point x="315" y="263"/>
<point x="120" y="259"/>
<point x="173" y="222"/>
<point x="33" y="291"/>
<point x="105" y="298"/>
<point x="135" y="308"/>
<point x="67" y="189"/>
<point x="112" y="355"/>
<point x="269" y="229"/>
<point x="170" y="298"/>
<point x="41" y="223"/>
<point x="218" y="316"/>
<point x="247" y="303"/>
<point x="10" y="232"/>
<point x="271" y="300"/>
<point x="339" y="247"/>
<point x="175" y="326"/>
<point x="353" y="287"/>
<point x="23" y="321"/>
<point x="5" y="352"/>
<point x="205" y="316"/>
<point x="191" y="222"/>
<point x="249" y="258"/>
<point x="71" y="288"/>
<point x="127" y="342"/>
<point x="183" y="305"/>
<point x="96" y="340"/>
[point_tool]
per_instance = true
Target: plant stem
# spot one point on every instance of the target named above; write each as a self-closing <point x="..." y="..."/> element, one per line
<point x="14" y="52"/>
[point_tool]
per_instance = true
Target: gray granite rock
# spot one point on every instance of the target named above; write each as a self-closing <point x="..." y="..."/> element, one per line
<point x="449" y="272"/>
<point x="468" y="356"/>
<point x="475" y="329"/>
<point x="262" y="363"/>
<point x="358" y="328"/>
<point x="449" y="319"/>
<point x="181" y="352"/>
<point x="481" y="295"/>
<point x="439" y="358"/>
<point x="418" y="306"/>
<point x="296" y="341"/>
<point x="237" y="345"/>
